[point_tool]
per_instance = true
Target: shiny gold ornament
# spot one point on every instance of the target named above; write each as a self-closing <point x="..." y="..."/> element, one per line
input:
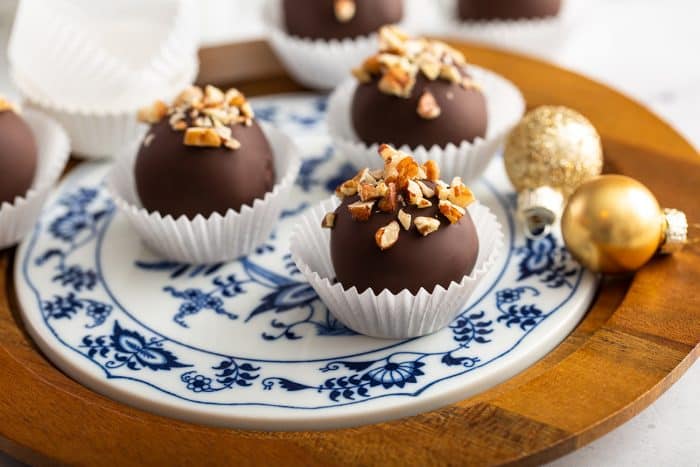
<point x="613" y="224"/>
<point x="547" y="156"/>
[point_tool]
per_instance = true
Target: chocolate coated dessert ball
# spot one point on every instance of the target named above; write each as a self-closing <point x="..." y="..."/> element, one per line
<point x="506" y="9"/>
<point x="18" y="154"/>
<point x="387" y="237"/>
<point x="379" y="117"/>
<point x="203" y="155"/>
<point x="339" y="19"/>
<point x="417" y="92"/>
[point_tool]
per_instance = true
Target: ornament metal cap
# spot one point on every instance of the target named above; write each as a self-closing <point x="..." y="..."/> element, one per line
<point x="539" y="209"/>
<point x="675" y="232"/>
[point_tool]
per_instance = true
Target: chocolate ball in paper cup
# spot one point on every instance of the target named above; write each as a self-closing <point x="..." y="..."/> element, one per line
<point x="534" y="26"/>
<point x="101" y="129"/>
<point x="207" y="183"/>
<point x="33" y="154"/>
<point x="318" y="41"/>
<point x="399" y="252"/>
<point x="423" y="97"/>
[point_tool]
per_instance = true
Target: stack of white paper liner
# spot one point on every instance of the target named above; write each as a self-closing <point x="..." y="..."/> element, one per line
<point x="92" y="65"/>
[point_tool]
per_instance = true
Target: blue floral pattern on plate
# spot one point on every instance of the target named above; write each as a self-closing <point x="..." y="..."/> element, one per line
<point x="249" y="343"/>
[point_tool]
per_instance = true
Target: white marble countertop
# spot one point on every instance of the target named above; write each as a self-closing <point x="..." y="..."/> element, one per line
<point x="649" y="50"/>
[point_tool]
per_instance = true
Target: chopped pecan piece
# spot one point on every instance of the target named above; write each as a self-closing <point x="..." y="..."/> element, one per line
<point x="427" y="191"/>
<point x="388" y="235"/>
<point x="432" y="171"/>
<point x="213" y="96"/>
<point x="202" y="137"/>
<point x="368" y="191"/>
<point x="344" y="10"/>
<point x="451" y="211"/>
<point x="154" y="113"/>
<point x="404" y="219"/>
<point x="428" y="107"/>
<point x="328" y="221"/>
<point x="347" y="188"/>
<point x="361" y="210"/>
<point x="426" y="225"/>
<point x="389" y="202"/>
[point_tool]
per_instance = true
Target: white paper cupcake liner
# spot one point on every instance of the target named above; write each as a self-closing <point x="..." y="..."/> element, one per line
<point x="102" y="51"/>
<point x="387" y="315"/>
<point x="215" y="238"/>
<point x="18" y="218"/>
<point x="317" y="64"/>
<point x="96" y="131"/>
<point x="505" y="106"/>
<point x="534" y="35"/>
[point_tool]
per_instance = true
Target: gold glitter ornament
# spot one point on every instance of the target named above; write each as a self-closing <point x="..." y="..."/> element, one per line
<point x="614" y="224"/>
<point x="547" y="156"/>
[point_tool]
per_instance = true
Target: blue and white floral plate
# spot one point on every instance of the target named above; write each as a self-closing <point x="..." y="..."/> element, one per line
<point x="248" y="344"/>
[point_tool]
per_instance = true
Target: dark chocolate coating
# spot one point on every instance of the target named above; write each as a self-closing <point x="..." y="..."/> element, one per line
<point x="315" y="19"/>
<point x="175" y="179"/>
<point x="381" y="118"/>
<point x="18" y="157"/>
<point x="413" y="262"/>
<point x="506" y="9"/>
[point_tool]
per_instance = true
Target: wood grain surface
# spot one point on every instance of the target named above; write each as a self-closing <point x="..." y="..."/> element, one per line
<point x="640" y="335"/>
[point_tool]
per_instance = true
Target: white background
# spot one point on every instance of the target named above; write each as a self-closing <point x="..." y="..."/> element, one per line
<point x="649" y="49"/>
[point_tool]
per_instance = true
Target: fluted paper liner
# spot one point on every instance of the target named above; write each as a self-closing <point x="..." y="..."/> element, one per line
<point x="505" y="106"/>
<point x="74" y="65"/>
<point x="527" y="34"/>
<point x="18" y="218"/>
<point x="318" y="64"/>
<point x="215" y="238"/>
<point x="387" y="315"/>
<point x="95" y="131"/>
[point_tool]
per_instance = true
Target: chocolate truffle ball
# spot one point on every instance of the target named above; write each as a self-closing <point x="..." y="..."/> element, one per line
<point x="413" y="262"/>
<point x="506" y="9"/>
<point x="399" y="228"/>
<point x="200" y="178"/>
<point x="339" y="19"/>
<point x="379" y="117"/>
<point x="18" y="156"/>
<point x="416" y="92"/>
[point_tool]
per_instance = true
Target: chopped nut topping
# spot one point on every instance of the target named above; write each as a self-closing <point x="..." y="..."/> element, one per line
<point x="413" y="193"/>
<point x="405" y="219"/>
<point x="460" y="195"/>
<point x="423" y="203"/>
<point x="344" y="10"/>
<point x="432" y="171"/>
<point x="148" y="140"/>
<point x="153" y="113"/>
<point x="347" y="188"/>
<point x="427" y="191"/>
<point x="388" y="235"/>
<point x="451" y="211"/>
<point x="390" y="200"/>
<point x="428" y="107"/>
<point x="328" y="221"/>
<point x="199" y="110"/>
<point x="6" y="105"/>
<point x="368" y="191"/>
<point x="400" y="58"/>
<point x="426" y="225"/>
<point x="401" y="183"/>
<point x="361" y="210"/>
<point x="202" y="137"/>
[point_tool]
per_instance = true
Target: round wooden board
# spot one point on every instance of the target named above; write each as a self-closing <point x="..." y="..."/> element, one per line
<point x="641" y="334"/>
